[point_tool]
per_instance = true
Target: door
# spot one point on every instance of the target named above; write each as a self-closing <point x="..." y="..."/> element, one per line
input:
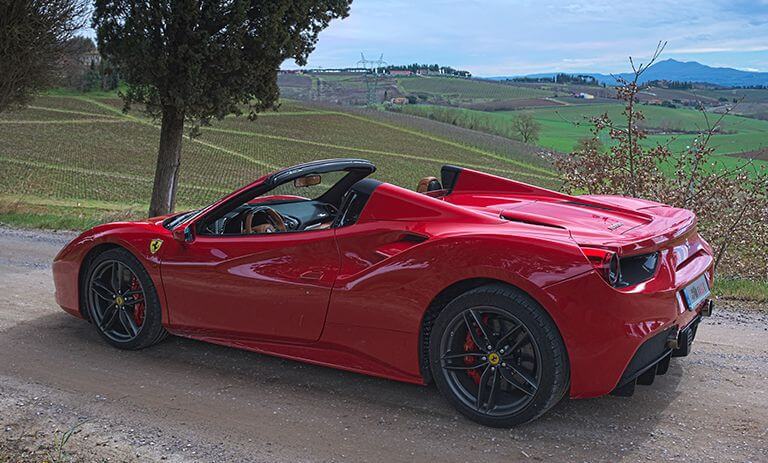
<point x="274" y="285"/>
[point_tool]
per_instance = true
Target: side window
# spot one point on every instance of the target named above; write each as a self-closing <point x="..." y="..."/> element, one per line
<point x="301" y="204"/>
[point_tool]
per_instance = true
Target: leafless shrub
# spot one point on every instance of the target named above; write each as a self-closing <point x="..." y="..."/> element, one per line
<point x="729" y="196"/>
<point x="526" y="128"/>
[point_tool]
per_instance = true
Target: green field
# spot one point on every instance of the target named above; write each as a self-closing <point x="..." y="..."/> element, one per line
<point x="563" y="126"/>
<point x="739" y="133"/>
<point x="467" y="89"/>
<point x="67" y="153"/>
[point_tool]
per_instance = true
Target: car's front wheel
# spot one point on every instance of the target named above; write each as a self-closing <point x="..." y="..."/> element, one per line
<point x="122" y="301"/>
<point x="497" y="356"/>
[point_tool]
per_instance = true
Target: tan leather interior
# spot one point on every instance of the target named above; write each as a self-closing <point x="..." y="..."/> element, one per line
<point x="248" y="223"/>
<point x="263" y="228"/>
<point x="277" y="219"/>
<point x="423" y="185"/>
<point x="275" y="223"/>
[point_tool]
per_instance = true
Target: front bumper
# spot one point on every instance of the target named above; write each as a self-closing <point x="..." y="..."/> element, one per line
<point x="654" y="355"/>
<point x="66" y="284"/>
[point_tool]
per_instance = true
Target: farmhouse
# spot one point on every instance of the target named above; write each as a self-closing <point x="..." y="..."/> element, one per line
<point x="400" y="72"/>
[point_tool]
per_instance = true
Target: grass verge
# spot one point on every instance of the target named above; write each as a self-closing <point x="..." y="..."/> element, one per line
<point x="741" y="289"/>
<point x="49" y="221"/>
<point x="55" y="215"/>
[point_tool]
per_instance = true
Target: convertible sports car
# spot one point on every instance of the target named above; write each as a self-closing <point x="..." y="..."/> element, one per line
<point x="507" y="296"/>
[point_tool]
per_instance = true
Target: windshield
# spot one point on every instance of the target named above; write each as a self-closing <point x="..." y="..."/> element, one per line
<point x="172" y="222"/>
<point x="327" y="181"/>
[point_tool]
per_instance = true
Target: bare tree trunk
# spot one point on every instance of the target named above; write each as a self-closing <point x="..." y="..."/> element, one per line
<point x="168" y="161"/>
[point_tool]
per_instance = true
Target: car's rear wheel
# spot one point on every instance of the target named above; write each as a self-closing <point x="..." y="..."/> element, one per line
<point x="122" y="301"/>
<point x="498" y="357"/>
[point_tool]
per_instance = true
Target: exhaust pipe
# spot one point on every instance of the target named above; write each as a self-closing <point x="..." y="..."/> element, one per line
<point x="673" y="341"/>
<point x="706" y="309"/>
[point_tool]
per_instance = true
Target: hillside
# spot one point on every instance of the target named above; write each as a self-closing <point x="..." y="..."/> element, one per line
<point x="351" y="89"/>
<point x="79" y="156"/>
<point x="685" y="71"/>
<point x="691" y="71"/>
<point x="465" y="90"/>
<point x="563" y="126"/>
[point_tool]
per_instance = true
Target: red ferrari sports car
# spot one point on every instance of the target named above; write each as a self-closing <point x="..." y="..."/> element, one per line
<point x="507" y="296"/>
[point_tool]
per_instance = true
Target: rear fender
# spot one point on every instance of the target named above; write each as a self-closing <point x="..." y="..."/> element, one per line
<point x="378" y="309"/>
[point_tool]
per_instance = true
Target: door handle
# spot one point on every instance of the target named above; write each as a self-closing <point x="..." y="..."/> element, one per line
<point x="311" y="275"/>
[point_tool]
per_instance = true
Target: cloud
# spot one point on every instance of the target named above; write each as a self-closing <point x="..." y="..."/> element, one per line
<point x="754" y="47"/>
<point x="502" y="37"/>
<point x="520" y="36"/>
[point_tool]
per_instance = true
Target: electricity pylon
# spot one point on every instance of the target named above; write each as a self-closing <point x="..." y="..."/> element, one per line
<point x="374" y="72"/>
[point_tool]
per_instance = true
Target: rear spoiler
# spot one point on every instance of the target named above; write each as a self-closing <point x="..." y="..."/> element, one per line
<point x="672" y="234"/>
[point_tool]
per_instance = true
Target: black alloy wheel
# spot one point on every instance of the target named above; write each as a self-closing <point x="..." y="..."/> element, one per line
<point x="117" y="301"/>
<point x="498" y="357"/>
<point x="122" y="302"/>
<point x="490" y="361"/>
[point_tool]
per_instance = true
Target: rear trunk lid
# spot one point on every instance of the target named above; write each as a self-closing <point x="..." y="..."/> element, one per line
<point x="626" y="225"/>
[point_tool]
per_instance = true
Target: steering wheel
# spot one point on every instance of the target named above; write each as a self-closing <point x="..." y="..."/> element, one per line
<point x="275" y="221"/>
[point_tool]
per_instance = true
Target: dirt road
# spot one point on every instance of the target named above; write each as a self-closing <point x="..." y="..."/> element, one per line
<point x="189" y="401"/>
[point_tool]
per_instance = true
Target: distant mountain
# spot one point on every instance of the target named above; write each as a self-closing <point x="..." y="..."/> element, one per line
<point x="689" y="71"/>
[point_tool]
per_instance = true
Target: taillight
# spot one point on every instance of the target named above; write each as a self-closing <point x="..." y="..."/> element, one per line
<point x="606" y="263"/>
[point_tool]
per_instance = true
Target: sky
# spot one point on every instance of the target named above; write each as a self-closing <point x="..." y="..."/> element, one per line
<point x="514" y="37"/>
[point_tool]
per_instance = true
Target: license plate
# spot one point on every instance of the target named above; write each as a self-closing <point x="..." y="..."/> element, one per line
<point x="696" y="292"/>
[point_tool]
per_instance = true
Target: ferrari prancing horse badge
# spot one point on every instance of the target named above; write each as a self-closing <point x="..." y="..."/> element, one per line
<point x="154" y="245"/>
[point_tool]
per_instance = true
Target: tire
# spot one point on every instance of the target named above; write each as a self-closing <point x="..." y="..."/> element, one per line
<point x="122" y="301"/>
<point x="523" y="366"/>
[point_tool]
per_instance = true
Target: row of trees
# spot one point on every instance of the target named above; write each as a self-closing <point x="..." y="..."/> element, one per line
<point x="433" y="68"/>
<point x="670" y="84"/>
<point x="184" y="61"/>
<point x="560" y="78"/>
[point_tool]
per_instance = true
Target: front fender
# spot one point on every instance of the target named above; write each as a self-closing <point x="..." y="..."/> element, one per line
<point x="133" y="236"/>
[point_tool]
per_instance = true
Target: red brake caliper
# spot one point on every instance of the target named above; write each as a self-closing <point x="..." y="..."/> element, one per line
<point x="138" y="308"/>
<point x="470" y="346"/>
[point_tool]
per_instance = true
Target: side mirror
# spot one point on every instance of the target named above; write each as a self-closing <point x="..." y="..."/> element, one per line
<point x="183" y="233"/>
